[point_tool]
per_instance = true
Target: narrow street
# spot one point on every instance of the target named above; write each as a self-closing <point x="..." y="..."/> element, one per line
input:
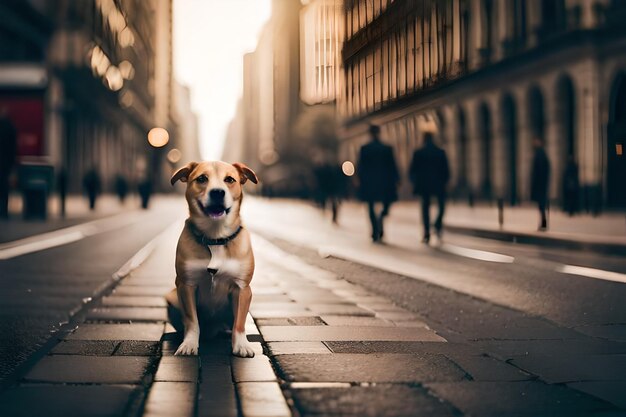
<point x="341" y="326"/>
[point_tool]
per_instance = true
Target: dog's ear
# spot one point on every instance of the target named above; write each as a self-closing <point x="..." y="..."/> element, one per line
<point x="246" y="173"/>
<point x="183" y="173"/>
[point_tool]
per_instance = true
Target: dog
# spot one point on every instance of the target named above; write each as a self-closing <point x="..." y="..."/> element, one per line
<point x="214" y="259"/>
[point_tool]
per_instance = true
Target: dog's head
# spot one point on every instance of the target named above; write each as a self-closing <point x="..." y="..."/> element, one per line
<point x="214" y="188"/>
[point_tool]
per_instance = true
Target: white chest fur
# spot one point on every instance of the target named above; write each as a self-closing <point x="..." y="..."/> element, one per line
<point x="228" y="269"/>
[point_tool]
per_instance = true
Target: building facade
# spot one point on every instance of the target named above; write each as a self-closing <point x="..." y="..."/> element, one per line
<point x="492" y="75"/>
<point x="99" y="78"/>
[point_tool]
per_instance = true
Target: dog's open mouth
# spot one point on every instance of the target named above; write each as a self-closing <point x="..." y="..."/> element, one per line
<point x="214" y="211"/>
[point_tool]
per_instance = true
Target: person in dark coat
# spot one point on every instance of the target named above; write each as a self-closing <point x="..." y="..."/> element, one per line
<point x="539" y="180"/>
<point x="571" y="187"/>
<point x="91" y="184"/>
<point x="378" y="180"/>
<point x="429" y="173"/>
<point x="331" y="186"/>
<point x="8" y="156"/>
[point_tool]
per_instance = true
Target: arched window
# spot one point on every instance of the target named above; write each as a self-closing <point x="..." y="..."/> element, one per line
<point x="485" y="135"/>
<point x="536" y="118"/>
<point x="509" y="123"/>
<point x="616" y="145"/>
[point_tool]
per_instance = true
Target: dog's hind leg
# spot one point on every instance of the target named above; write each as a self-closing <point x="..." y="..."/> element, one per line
<point x="173" y="310"/>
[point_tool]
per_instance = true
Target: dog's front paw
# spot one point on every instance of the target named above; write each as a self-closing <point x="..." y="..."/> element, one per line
<point x="188" y="347"/>
<point x="241" y="346"/>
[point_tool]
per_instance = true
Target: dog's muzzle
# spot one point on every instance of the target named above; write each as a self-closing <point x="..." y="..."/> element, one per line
<point x="214" y="211"/>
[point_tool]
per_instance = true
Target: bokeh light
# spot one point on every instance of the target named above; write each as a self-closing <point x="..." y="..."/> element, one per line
<point x="348" y="168"/>
<point x="158" y="137"/>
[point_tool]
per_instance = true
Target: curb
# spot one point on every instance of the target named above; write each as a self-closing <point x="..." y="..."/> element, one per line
<point x="605" y="248"/>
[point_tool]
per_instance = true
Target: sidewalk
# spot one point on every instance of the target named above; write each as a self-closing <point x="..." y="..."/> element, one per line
<point x="329" y="341"/>
<point x="605" y="233"/>
<point x="77" y="211"/>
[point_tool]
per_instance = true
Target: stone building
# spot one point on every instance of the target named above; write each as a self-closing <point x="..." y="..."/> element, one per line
<point x="85" y="81"/>
<point x="491" y="75"/>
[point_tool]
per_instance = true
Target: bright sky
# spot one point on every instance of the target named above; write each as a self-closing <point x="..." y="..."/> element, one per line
<point x="210" y="39"/>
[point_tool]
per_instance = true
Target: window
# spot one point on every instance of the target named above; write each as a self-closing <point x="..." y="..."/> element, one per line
<point x="401" y="40"/>
<point x="377" y="77"/>
<point x="410" y="81"/>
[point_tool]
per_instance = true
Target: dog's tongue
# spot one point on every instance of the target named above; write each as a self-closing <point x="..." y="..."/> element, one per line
<point x="215" y="211"/>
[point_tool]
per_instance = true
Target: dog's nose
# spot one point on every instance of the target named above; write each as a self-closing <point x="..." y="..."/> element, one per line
<point x="217" y="194"/>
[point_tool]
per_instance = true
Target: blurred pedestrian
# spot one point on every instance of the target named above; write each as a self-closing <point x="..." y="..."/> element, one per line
<point x="571" y="187"/>
<point x="331" y="187"/>
<point x="91" y="183"/>
<point x="378" y="180"/>
<point x="145" y="191"/>
<point x="62" y="189"/>
<point x="8" y="157"/>
<point x="121" y="187"/>
<point x="429" y="173"/>
<point x="539" y="180"/>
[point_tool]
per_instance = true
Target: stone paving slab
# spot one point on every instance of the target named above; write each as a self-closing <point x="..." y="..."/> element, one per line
<point x="90" y="369"/>
<point x="134" y="331"/>
<point x="379" y="368"/>
<point x="86" y="347"/>
<point x="292" y="348"/>
<point x="338" y="333"/>
<point x="257" y="369"/>
<point x="356" y="321"/>
<point x="67" y="400"/>
<point x="178" y="369"/>
<point x="167" y="399"/>
<point x="107" y="348"/>
<point x="216" y="392"/>
<point x="528" y="398"/>
<point x="138" y="348"/>
<point x="133" y="301"/>
<point x="271" y="314"/>
<point x="262" y="399"/>
<point x="291" y="321"/>
<point x="142" y="290"/>
<point x="574" y="368"/>
<point x="127" y="314"/>
<point x="340" y="310"/>
<point x="371" y="401"/>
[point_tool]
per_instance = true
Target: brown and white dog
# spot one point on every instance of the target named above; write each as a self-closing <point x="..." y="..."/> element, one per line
<point x="214" y="259"/>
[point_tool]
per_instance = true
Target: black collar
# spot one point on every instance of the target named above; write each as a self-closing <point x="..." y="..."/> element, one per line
<point x="203" y="240"/>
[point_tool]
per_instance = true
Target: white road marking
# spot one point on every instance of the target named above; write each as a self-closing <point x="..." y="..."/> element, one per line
<point x="40" y="245"/>
<point x="64" y="236"/>
<point x="480" y="255"/>
<point x="592" y="273"/>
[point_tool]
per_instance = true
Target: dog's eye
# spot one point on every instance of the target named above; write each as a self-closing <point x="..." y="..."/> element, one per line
<point x="229" y="180"/>
<point x="202" y="179"/>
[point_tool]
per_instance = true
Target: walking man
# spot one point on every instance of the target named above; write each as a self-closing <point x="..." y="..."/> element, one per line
<point x="378" y="180"/>
<point x="429" y="173"/>
<point x="539" y="180"/>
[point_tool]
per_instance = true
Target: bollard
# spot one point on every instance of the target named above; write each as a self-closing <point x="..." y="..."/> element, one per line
<point x="501" y="212"/>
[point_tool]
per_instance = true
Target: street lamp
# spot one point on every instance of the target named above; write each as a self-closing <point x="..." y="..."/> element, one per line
<point x="158" y="137"/>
